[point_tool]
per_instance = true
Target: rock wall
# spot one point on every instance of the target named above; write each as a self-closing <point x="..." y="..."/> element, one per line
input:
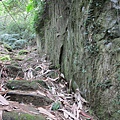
<point x="82" y="37"/>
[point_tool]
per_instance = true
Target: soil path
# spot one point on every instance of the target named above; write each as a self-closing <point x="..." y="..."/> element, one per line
<point x="34" y="87"/>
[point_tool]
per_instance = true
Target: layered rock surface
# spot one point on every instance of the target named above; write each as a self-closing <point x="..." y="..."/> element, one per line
<point x="83" y="39"/>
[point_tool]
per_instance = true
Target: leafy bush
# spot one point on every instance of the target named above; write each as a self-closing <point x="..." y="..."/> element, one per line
<point x="19" y="44"/>
<point x="5" y="58"/>
<point x="13" y="28"/>
<point x="15" y="19"/>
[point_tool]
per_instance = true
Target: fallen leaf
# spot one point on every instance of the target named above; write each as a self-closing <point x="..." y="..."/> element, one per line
<point x="85" y="115"/>
<point x="19" y="78"/>
<point x="2" y="89"/>
<point x="55" y="79"/>
<point x="0" y="114"/>
<point x="38" y="92"/>
<point x="53" y="90"/>
<point x="70" y="114"/>
<point x="6" y="108"/>
<point x="78" y="111"/>
<point x="50" y="96"/>
<point x="36" y="113"/>
<point x="3" y="101"/>
<point x="65" y="115"/>
<point x="3" y="92"/>
<point x="81" y="98"/>
<point x="74" y="108"/>
<point x="80" y="105"/>
<point x="62" y="75"/>
<point x="44" y="111"/>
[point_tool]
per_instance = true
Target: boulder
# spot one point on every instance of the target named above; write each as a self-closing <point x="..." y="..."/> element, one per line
<point x="15" y="71"/>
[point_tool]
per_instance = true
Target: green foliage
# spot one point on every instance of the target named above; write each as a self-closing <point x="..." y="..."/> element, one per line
<point x="56" y="105"/>
<point x="15" y="5"/>
<point x="16" y="20"/>
<point x="13" y="28"/>
<point x="30" y="6"/>
<point x="23" y="52"/>
<point x="21" y="16"/>
<point x="5" y="58"/>
<point x="38" y="8"/>
<point x="19" y="44"/>
<point x="13" y="41"/>
<point x="20" y="26"/>
<point x="9" y="48"/>
<point x="1" y="9"/>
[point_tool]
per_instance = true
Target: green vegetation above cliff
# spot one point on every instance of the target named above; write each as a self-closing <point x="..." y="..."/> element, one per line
<point x="15" y="19"/>
<point x="38" y="8"/>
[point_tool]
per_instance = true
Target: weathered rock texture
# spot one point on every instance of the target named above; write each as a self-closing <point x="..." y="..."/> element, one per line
<point x="82" y="37"/>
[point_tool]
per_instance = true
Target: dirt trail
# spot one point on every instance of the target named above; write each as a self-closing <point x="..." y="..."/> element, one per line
<point x="32" y="85"/>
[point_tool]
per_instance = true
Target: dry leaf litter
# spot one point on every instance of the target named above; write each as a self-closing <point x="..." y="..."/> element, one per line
<point x="66" y="105"/>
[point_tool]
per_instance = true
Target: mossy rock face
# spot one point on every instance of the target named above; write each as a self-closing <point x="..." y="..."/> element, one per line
<point x="22" y="85"/>
<point x="86" y="48"/>
<point x="21" y="116"/>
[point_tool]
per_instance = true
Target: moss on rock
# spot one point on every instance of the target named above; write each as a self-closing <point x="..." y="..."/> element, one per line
<point x="21" y="116"/>
<point x="22" y="85"/>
